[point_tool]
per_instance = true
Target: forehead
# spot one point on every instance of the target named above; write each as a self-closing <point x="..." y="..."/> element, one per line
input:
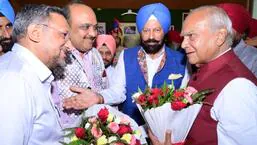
<point x="82" y="14"/>
<point x="153" y="23"/>
<point x="4" y="21"/>
<point x="59" y="21"/>
<point x="104" y="48"/>
<point x="195" y="22"/>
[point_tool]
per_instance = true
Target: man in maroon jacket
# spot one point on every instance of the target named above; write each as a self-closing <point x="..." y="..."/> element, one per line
<point x="231" y="114"/>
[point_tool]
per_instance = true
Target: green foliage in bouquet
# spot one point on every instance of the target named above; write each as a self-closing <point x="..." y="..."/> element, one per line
<point x="179" y="98"/>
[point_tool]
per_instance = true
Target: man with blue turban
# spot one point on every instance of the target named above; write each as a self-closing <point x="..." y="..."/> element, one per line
<point x="148" y="65"/>
<point x="6" y="23"/>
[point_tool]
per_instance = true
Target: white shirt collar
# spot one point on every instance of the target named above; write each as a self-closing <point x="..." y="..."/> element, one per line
<point x="42" y="71"/>
<point x="222" y="53"/>
<point x="160" y="54"/>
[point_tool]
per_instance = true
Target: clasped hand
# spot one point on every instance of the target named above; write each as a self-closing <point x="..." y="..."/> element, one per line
<point x="84" y="99"/>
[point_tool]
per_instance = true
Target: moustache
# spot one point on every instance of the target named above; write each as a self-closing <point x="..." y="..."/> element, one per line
<point x="151" y="41"/>
<point x="4" y="40"/>
<point x="91" y="38"/>
<point x="106" y="60"/>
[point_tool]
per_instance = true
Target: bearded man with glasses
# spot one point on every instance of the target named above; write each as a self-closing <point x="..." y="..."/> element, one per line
<point x="41" y="43"/>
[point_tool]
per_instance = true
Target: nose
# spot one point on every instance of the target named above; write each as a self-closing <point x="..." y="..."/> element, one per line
<point x="104" y="55"/>
<point x="92" y="31"/>
<point x="151" y="34"/>
<point x="68" y="46"/>
<point x="184" y="42"/>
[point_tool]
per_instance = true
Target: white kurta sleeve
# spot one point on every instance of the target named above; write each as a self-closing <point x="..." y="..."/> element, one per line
<point x="235" y="109"/>
<point x="15" y="108"/>
<point x="115" y="94"/>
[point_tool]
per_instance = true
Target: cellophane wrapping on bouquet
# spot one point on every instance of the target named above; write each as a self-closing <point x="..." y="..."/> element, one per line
<point x="167" y="108"/>
<point x="162" y="118"/>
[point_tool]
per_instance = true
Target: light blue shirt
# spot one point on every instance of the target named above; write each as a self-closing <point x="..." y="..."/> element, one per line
<point x="248" y="55"/>
<point x="28" y="114"/>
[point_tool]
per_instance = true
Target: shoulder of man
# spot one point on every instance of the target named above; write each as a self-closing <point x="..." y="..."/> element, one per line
<point x="177" y="55"/>
<point x="136" y="48"/>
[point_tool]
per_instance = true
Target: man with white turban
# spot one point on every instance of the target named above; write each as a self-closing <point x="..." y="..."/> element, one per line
<point x="148" y="65"/>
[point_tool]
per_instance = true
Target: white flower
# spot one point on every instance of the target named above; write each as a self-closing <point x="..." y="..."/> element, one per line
<point x="102" y="140"/>
<point x="137" y="134"/>
<point x="110" y="117"/>
<point x="127" y="137"/>
<point x="136" y="95"/>
<point x="124" y="120"/>
<point x="174" y="76"/>
<point x="117" y="120"/>
<point x="112" y="139"/>
<point x="74" y="138"/>
<point x="87" y="125"/>
<point x="170" y="86"/>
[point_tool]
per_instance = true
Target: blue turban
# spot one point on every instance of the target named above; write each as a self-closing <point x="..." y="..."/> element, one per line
<point x="160" y="11"/>
<point x="7" y="10"/>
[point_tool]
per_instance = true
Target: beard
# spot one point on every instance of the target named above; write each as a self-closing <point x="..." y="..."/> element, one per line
<point x="153" y="48"/>
<point x="57" y="65"/>
<point x="6" y="44"/>
<point x="107" y="63"/>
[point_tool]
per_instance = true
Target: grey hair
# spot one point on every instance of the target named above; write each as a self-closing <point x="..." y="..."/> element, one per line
<point x="218" y="19"/>
<point x="32" y="14"/>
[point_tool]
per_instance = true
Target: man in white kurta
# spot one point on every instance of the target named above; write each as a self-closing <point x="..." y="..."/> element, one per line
<point x="28" y="113"/>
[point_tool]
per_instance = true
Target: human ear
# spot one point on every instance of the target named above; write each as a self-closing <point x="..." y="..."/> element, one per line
<point x="221" y="36"/>
<point x="34" y="32"/>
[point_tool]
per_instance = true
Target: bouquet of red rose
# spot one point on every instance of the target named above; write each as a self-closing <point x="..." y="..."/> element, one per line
<point x="101" y="127"/>
<point x="169" y="108"/>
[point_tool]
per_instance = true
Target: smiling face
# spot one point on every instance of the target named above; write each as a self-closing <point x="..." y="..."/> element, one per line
<point x="56" y="38"/>
<point x="83" y="27"/>
<point x="152" y="37"/>
<point x="199" y="41"/>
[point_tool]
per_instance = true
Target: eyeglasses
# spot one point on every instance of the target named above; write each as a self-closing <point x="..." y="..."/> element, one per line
<point x="64" y="34"/>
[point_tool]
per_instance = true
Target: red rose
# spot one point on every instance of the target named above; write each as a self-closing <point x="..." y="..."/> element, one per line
<point x="138" y="142"/>
<point x="142" y="99"/>
<point x="103" y="114"/>
<point x="153" y="99"/>
<point x="178" y="94"/>
<point x="124" y="129"/>
<point x="80" y="133"/>
<point x="156" y="91"/>
<point x="178" y="105"/>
